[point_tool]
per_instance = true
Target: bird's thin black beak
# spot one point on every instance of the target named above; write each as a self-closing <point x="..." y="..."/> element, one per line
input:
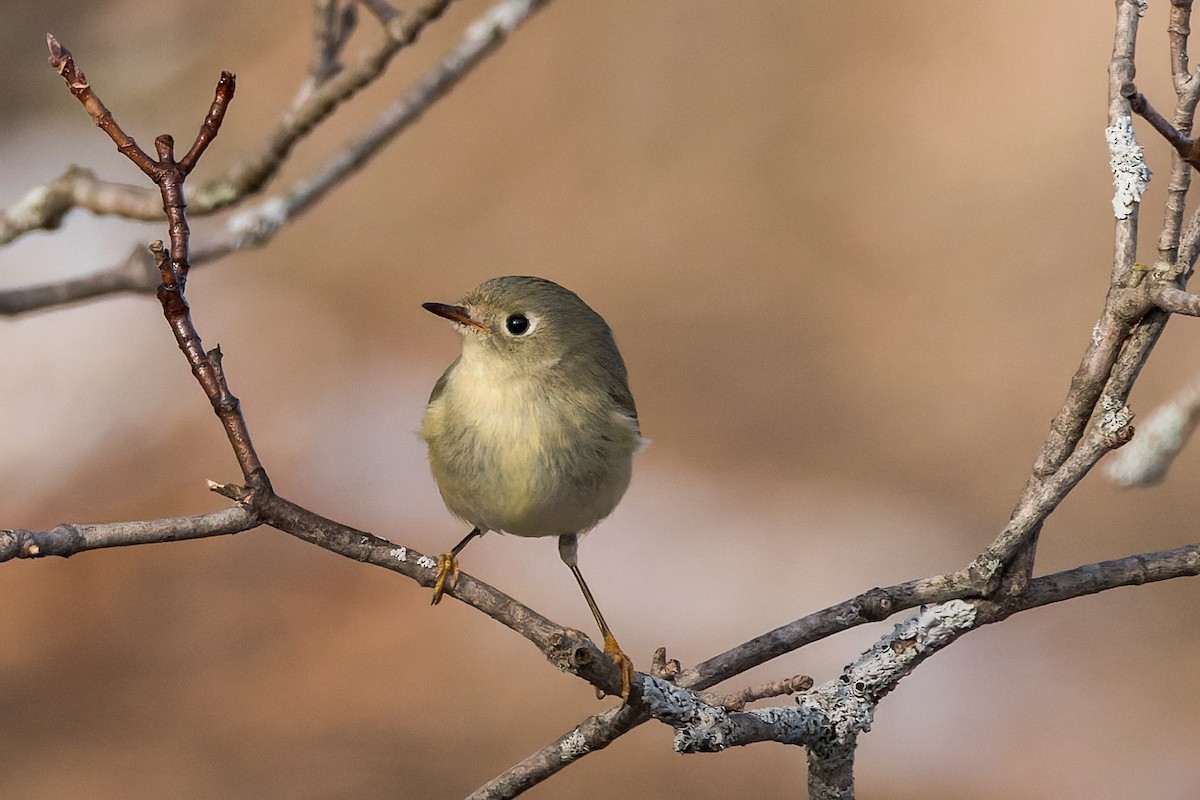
<point x="456" y="314"/>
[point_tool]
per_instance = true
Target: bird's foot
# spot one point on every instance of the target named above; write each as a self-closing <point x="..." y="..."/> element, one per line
<point x="614" y="651"/>
<point x="447" y="576"/>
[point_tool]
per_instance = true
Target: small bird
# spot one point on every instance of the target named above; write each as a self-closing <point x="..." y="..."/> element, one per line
<point x="532" y="430"/>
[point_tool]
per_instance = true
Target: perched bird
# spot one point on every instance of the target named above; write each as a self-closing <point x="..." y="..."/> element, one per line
<point x="532" y="430"/>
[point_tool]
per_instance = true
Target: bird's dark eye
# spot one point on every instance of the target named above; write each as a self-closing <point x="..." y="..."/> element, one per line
<point x="517" y="324"/>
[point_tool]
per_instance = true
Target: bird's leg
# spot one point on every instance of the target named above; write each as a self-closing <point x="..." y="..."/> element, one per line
<point x="447" y="565"/>
<point x="567" y="550"/>
<point x="611" y="648"/>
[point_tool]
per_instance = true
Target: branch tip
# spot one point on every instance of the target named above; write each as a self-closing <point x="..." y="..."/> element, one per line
<point x="230" y="490"/>
<point x="58" y="53"/>
<point x="667" y="669"/>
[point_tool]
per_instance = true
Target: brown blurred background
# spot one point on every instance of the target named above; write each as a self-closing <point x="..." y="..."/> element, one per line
<point x="852" y="254"/>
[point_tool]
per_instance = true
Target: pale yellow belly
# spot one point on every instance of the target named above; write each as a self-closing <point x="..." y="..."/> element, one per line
<point x="514" y="464"/>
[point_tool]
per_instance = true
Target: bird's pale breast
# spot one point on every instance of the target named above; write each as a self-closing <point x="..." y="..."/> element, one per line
<point x="516" y="459"/>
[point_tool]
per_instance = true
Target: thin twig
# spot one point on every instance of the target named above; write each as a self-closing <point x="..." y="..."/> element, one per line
<point x="137" y="273"/>
<point x="333" y="24"/>
<point x="170" y="175"/>
<point x="212" y="123"/>
<point x="253" y="227"/>
<point x="870" y="606"/>
<point x="64" y="64"/>
<point x="249" y="176"/>
<point x="67" y="540"/>
<point x="1141" y="106"/>
<point x="1179" y="27"/>
<point x="44" y="207"/>
<point x="763" y="691"/>
<point x="1187" y="91"/>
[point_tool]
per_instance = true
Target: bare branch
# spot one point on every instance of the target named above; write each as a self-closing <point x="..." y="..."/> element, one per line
<point x="212" y="122"/>
<point x="170" y="175"/>
<point x="1141" y="106"/>
<point x="1086" y="386"/>
<point x="64" y="63"/>
<point x="1179" y="562"/>
<point x="249" y="176"/>
<point x="45" y="206"/>
<point x="590" y="736"/>
<point x="740" y="699"/>
<point x="1177" y="134"/>
<point x="1187" y="92"/>
<point x="1179" y="28"/>
<point x="67" y="540"/>
<point x="332" y="26"/>
<point x="870" y="606"/>
<point x="1177" y="301"/>
<point x="137" y="273"/>
<point x="827" y="719"/>
<point x="1041" y="496"/>
<point x="1120" y="73"/>
<point x="255" y="226"/>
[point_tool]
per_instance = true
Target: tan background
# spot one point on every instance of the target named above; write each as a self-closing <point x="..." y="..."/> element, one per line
<point x="852" y="253"/>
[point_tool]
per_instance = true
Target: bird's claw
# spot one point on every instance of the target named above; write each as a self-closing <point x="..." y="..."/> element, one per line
<point x="624" y="663"/>
<point x="447" y="576"/>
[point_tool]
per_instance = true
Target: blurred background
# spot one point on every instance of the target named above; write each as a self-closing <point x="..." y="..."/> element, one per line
<point x="852" y="254"/>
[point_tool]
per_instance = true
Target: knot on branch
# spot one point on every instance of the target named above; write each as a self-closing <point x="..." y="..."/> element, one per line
<point x="876" y="604"/>
<point x="985" y="571"/>
<point x="667" y="669"/>
<point x="571" y="651"/>
<point x="64" y="540"/>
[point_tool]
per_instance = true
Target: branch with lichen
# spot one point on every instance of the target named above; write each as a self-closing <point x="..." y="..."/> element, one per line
<point x="598" y="731"/>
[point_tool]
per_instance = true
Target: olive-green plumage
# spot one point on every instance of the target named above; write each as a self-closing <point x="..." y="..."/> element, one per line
<point x="532" y="431"/>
